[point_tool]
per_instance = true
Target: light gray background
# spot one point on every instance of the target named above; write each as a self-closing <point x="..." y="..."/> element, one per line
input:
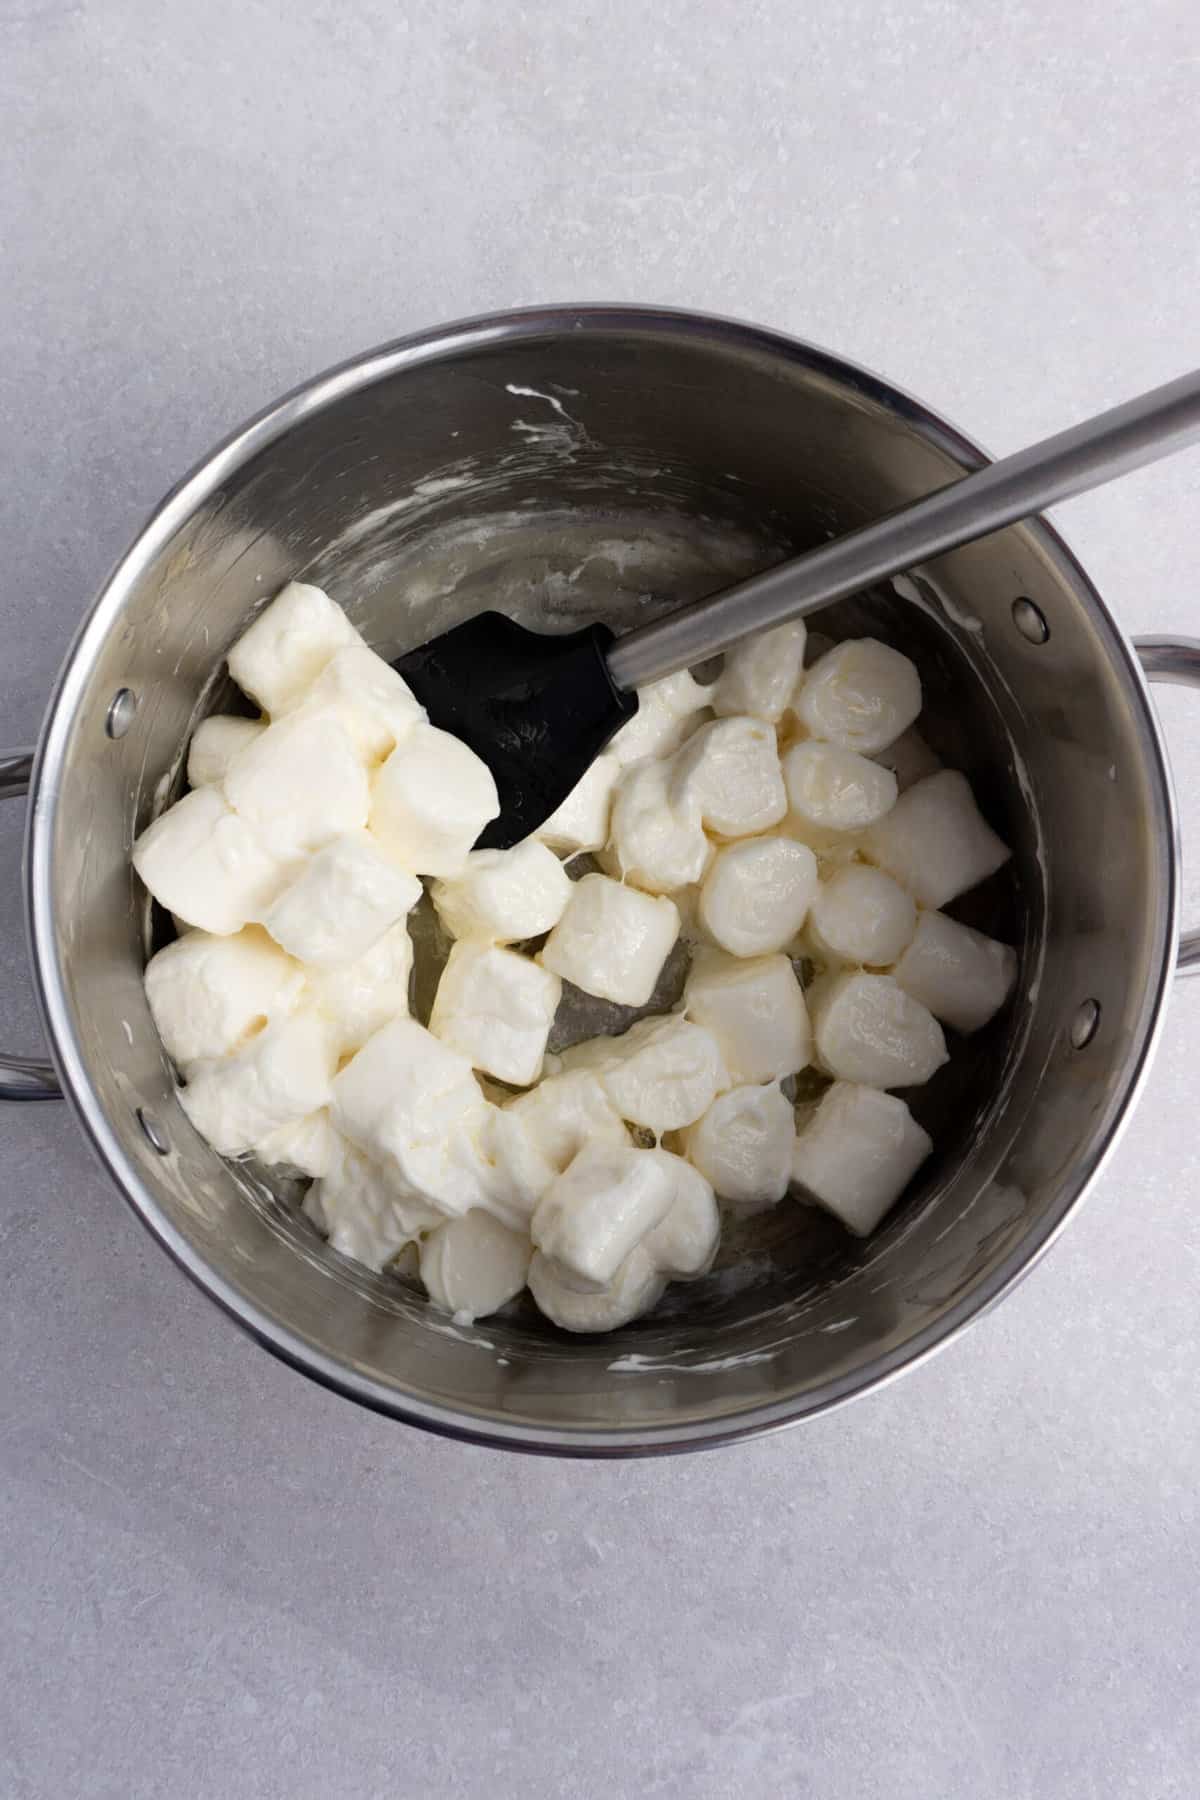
<point x="218" y="1580"/>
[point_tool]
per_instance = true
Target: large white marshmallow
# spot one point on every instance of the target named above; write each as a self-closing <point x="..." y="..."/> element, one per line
<point x="963" y="977"/>
<point x="663" y="1072"/>
<point x="860" y="915"/>
<point x="581" y="822"/>
<point x="208" y="995"/>
<point x="366" y="1210"/>
<point x="496" y="1008"/>
<point x="730" y="770"/>
<point x="857" y="1153"/>
<point x="281" y="1076"/>
<point x="473" y="1266"/>
<point x="862" y="695"/>
<point x="281" y="654"/>
<point x="634" y="1289"/>
<point x="431" y="799"/>
<point x="743" y="1145"/>
<point x="563" y="1113"/>
<point x="206" y="865"/>
<point x="343" y="900"/>
<point x="666" y="714"/>
<point x="761" y="673"/>
<point x="370" y="699"/>
<point x="310" y="1145"/>
<point x="684" y="1245"/>
<point x="359" y="997"/>
<point x="595" y="1213"/>
<point x="935" y="841"/>
<point x="757" y="894"/>
<point x="833" y="789"/>
<point x="505" y="896"/>
<point x="215" y="743"/>
<point x="412" y="1103"/>
<point x="867" y="1029"/>
<point x="755" y="1009"/>
<point x="612" y="940"/>
<point x="658" y="840"/>
<point x="299" y="785"/>
<point x="514" y="1171"/>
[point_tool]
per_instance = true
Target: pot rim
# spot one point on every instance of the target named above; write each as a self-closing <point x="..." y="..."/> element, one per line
<point x="46" y="946"/>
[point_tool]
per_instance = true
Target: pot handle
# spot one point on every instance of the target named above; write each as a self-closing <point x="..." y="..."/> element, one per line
<point x="23" y="1077"/>
<point x="1175" y="659"/>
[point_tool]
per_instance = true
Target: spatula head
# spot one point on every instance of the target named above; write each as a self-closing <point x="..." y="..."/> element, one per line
<point x="536" y="707"/>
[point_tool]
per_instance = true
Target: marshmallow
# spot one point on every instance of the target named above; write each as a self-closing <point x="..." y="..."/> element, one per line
<point x="209" y="995"/>
<point x="581" y="822"/>
<point x="743" y="1145"/>
<point x="472" y="1266"/>
<point x="281" y="654"/>
<point x="860" y="915"/>
<point x="730" y="770"/>
<point x="662" y="1073"/>
<point x="755" y="1009"/>
<point x="514" y="1170"/>
<point x="299" y="785"/>
<point x="206" y="865"/>
<point x="666" y="714"/>
<point x="505" y="896"/>
<point x="496" y="1007"/>
<point x="963" y="977"/>
<point x="412" y="1104"/>
<point x="684" y="1245"/>
<point x="835" y="789"/>
<point x="867" y="1029"/>
<point x="366" y="1210"/>
<point x="343" y="900"/>
<point x="857" y="1154"/>
<point x="359" y="997"/>
<point x="761" y="673"/>
<point x="658" y="842"/>
<point x="935" y="841"/>
<point x="757" y="894"/>
<point x="565" y="1112"/>
<point x="281" y="1076"/>
<point x="612" y="940"/>
<point x="634" y="1289"/>
<point x="310" y="1145"/>
<point x="431" y="799"/>
<point x="371" y="701"/>
<point x="861" y="695"/>
<point x="598" y="1210"/>
<point x="215" y="743"/>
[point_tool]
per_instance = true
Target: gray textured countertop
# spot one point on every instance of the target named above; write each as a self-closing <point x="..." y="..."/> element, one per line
<point x="220" y="1580"/>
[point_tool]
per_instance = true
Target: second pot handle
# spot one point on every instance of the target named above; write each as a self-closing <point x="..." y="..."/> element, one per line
<point x="23" y="1077"/>
<point x="1175" y="659"/>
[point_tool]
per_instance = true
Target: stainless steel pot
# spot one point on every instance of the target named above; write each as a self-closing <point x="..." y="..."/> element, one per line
<point x="605" y="461"/>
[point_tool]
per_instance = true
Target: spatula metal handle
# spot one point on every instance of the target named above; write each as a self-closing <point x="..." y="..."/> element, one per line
<point x="1085" y="456"/>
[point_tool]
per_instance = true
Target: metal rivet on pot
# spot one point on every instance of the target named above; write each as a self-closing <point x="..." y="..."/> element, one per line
<point x="155" y="1136"/>
<point x="1085" y="1024"/>
<point x="1030" y="620"/>
<point x="120" y="712"/>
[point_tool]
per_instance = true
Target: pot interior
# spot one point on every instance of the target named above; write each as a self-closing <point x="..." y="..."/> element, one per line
<point x="612" y="465"/>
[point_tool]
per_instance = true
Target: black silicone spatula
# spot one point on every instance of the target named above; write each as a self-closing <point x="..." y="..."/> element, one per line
<point x="539" y="708"/>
